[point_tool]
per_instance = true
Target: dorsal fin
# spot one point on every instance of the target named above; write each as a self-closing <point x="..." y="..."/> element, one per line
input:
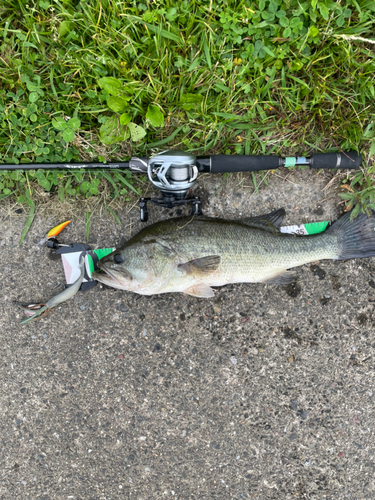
<point x="269" y="222"/>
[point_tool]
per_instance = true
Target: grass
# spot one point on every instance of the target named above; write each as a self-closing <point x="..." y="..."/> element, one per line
<point x="88" y="80"/>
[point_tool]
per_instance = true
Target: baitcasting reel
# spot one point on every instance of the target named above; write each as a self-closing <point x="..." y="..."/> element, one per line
<point x="173" y="173"/>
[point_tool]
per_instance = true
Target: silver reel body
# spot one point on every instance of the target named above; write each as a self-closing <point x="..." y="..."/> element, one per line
<point x="173" y="172"/>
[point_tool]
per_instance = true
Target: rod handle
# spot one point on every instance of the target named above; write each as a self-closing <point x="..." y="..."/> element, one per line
<point x="349" y="159"/>
<point x="243" y="163"/>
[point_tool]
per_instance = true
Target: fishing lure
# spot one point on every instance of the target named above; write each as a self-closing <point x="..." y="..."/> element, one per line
<point x="52" y="233"/>
<point x="37" y="311"/>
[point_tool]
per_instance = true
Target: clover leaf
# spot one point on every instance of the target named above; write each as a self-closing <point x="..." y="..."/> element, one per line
<point x="67" y="127"/>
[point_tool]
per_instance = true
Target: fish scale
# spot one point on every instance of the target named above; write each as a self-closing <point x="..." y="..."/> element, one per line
<point x="247" y="254"/>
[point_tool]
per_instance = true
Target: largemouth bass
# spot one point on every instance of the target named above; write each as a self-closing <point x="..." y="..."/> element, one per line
<point x="193" y="254"/>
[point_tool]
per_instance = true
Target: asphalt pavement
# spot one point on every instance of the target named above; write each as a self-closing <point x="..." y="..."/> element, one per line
<point x="264" y="391"/>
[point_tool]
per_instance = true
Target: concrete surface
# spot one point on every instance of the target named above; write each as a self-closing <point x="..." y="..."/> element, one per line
<point x="262" y="392"/>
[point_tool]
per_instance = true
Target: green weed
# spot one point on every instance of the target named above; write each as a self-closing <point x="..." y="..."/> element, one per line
<point x="90" y="79"/>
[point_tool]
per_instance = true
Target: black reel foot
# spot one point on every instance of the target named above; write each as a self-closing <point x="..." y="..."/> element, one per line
<point x="169" y="202"/>
<point x="143" y="209"/>
<point x="196" y="207"/>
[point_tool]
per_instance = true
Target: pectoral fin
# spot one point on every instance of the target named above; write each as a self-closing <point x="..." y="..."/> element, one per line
<point x="201" y="290"/>
<point x="201" y="267"/>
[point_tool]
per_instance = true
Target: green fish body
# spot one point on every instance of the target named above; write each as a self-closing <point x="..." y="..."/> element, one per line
<point x="193" y="254"/>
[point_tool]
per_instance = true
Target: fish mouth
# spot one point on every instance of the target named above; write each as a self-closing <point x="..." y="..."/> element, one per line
<point x="112" y="278"/>
<point x="105" y="278"/>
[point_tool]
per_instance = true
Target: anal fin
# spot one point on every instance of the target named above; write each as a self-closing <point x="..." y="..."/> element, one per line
<point x="202" y="290"/>
<point x="282" y="278"/>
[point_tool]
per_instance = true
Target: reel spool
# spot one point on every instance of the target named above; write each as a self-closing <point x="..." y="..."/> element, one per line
<point x="173" y="173"/>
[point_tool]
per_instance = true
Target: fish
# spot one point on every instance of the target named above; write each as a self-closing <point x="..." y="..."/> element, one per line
<point x="193" y="254"/>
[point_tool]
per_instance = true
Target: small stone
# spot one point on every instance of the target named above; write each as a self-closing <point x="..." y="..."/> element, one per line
<point x="294" y="404"/>
<point x="293" y="436"/>
<point x="291" y="359"/>
<point x="122" y="307"/>
<point x="318" y="272"/>
<point x="293" y="289"/>
<point x="302" y="414"/>
<point x="362" y="319"/>
<point x="234" y="360"/>
<point x="324" y="300"/>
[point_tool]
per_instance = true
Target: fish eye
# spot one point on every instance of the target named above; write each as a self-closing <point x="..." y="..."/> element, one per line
<point x="118" y="259"/>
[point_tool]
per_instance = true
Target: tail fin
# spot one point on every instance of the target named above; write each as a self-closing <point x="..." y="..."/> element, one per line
<point x="356" y="239"/>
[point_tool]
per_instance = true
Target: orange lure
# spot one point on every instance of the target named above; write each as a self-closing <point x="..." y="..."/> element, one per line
<point x="57" y="229"/>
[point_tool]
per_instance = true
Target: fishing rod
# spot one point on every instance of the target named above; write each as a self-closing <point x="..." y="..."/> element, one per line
<point x="175" y="172"/>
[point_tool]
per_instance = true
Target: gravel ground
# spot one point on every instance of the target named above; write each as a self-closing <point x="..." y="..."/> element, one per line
<point x="264" y="391"/>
